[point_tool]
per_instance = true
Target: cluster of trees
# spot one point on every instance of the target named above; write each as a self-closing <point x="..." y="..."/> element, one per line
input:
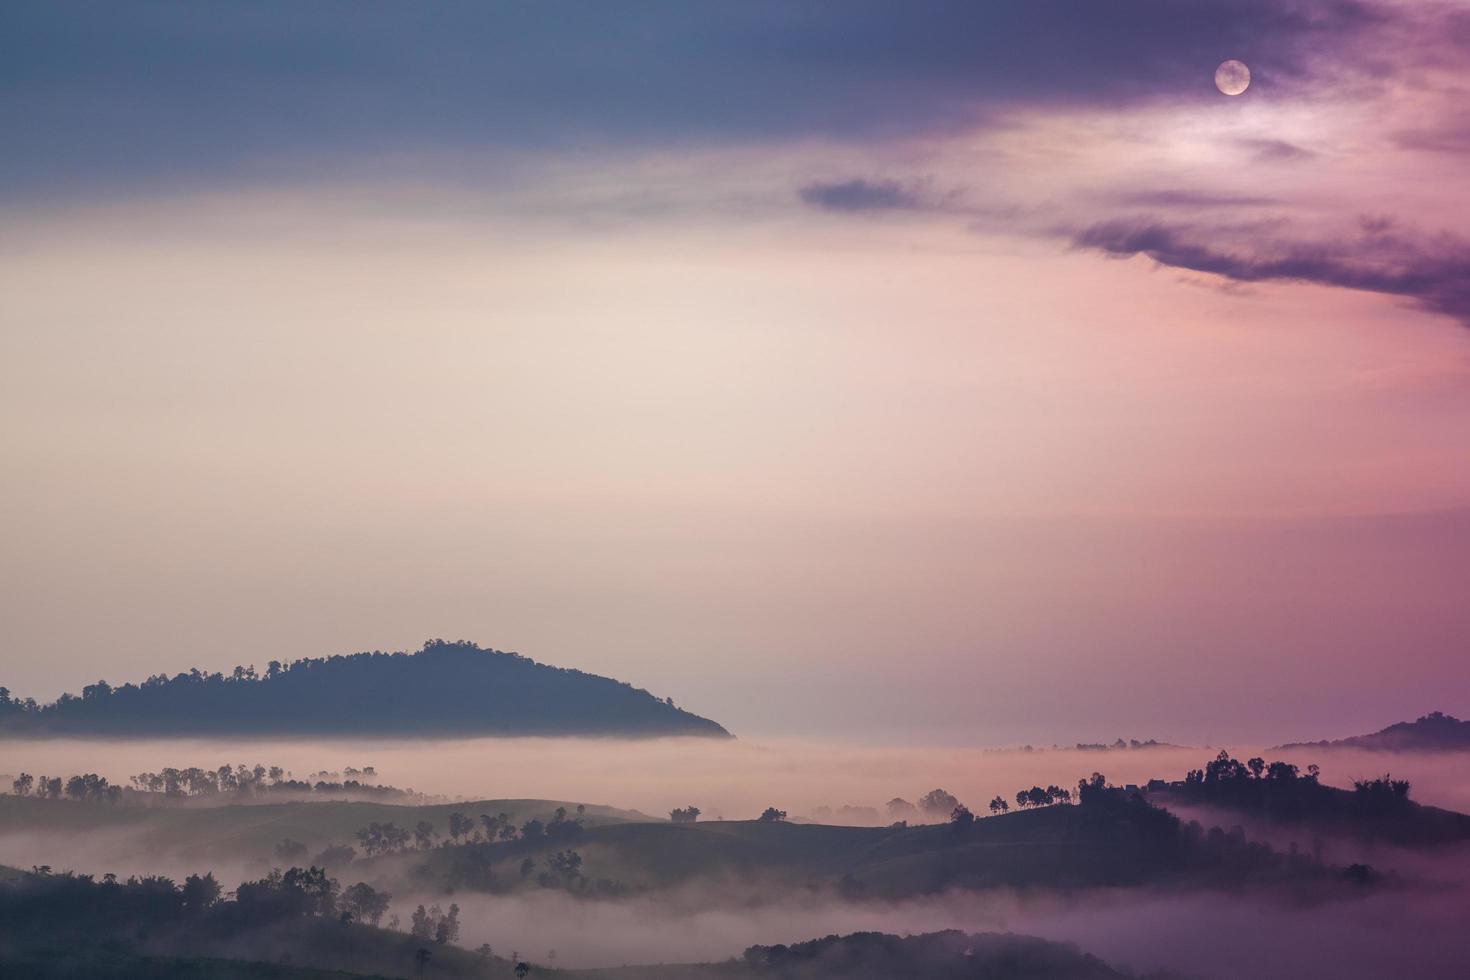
<point x="1036" y="796"/>
<point x="772" y="815"/>
<point x="258" y="780"/>
<point x="1226" y="769"/>
<point x="1377" y="807"/>
<point x="155" y="899"/>
<point x="935" y="805"/>
<point x="1131" y="743"/>
<point x="388" y="838"/>
<point x="85" y="786"/>
<point x="195" y="782"/>
<point x="435" y="923"/>
<point x="442" y="687"/>
<point x="688" y="814"/>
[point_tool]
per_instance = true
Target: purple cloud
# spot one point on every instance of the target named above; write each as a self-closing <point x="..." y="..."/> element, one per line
<point x="1431" y="270"/>
<point x="862" y="195"/>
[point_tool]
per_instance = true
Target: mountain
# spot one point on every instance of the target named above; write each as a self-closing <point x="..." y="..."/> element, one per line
<point x="1434" y="732"/>
<point x="443" y="689"/>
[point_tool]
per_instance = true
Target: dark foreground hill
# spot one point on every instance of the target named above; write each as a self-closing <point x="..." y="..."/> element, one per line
<point x="302" y="925"/>
<point x="443" y="689"/>
<point x="1434" y="732"/>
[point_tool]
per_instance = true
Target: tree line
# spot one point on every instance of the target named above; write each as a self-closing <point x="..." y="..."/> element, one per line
<point x="193" y="781"/>
<point x="388" y="838"/>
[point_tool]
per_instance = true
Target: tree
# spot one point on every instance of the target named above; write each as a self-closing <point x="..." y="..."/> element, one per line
<point x="1256" y="766"/>
<point x="961" y="816"/>
<point x="446" y="929"/>
<point x="772" y="815"/>
<point x="364" y="903"/>
<point x="420" y="927"/>
<point x="199" y="893"/>
<point x="687" y="815"/>
<point x="1281" y="771"/>
<point x="459" y="825"/>
<point x="938" y="803"/>
<point x="533" y="830"/>
<point x="900" y="809"/>
<point x="522" y="968"/>
<point x="527" y="866"/>
<point x="999" y="805"/>
<point x="422" y="956"/>
<point x="22" y="785"/>
<point x="423" y="834"/>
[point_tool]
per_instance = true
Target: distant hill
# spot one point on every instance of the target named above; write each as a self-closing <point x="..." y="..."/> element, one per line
<point x="949" y="955"/>
<point x="443" y="689"/>
<point x="1434" y="732"/>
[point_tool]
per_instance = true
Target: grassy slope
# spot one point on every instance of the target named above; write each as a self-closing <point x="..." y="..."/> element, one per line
<point x="1050" y="847"/>
<point x="254" y="829"/>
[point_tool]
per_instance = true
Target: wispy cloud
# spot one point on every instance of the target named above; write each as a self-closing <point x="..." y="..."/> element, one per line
<point x="1275" y="150"/>
<point x="1433" y="270"/>
<point x="864" y="195"/>
<point x="1192" y="199"/>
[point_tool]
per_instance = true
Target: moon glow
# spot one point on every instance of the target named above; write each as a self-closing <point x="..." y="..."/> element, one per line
<point x="1232" y="77"/>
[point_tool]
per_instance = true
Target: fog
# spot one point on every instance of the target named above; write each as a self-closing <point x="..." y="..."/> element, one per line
<point x="1402" y="929"/>
<point x="1205" y="935"/>
<point x="733" y="779"/>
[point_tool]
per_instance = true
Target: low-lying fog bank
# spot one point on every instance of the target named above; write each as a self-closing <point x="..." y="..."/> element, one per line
<point x="1207" y="937"/>
<point x="731" y="779"/>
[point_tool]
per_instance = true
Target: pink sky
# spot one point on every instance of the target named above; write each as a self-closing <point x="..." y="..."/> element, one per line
<point x="1124" y="408"/>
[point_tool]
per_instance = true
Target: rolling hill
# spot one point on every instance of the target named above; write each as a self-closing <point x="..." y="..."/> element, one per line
<point x="443" y="689"/>
<point x="1114" y="843"/>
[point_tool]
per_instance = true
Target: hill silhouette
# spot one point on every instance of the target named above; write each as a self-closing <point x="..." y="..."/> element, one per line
<point x="1114" y="839"/>
<point x="1375" y="809"/>
<point x="443" y="689"/>
<point x="1434" y="732"/>
<point x="949" y="955"/>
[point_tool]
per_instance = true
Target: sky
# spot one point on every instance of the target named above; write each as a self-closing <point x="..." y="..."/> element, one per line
<point x="922" y="372"/>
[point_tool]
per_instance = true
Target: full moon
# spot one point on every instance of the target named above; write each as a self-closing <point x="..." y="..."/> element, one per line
<point x="1232" y="77"/>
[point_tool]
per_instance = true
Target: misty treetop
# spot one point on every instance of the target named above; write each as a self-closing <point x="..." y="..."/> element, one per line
<point x="445" y="688"/>
<point x="194" y="783"/>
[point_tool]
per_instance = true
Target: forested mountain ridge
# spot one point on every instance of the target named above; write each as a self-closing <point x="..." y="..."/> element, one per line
<point x="444" y="689"/>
